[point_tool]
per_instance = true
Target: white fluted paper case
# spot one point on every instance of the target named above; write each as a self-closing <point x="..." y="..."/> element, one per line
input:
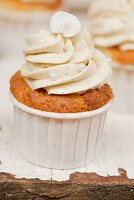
<point x="123" y="84"/>
<point x="58" y="141"/>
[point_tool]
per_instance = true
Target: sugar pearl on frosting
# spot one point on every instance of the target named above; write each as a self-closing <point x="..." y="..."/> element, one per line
<point x="81" y="67"/>
<point x="53" y="76"/>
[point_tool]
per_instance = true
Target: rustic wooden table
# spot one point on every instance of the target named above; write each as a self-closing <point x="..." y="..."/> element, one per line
<point x="78" y="187"/>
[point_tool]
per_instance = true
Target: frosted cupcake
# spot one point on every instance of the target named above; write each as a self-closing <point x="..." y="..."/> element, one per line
<point x="77" y="4"/>
<point x="28" y="10"/>
<point x="61" y="96"/>
<point x="21" y="17"/>
<point x="112" y="25"/>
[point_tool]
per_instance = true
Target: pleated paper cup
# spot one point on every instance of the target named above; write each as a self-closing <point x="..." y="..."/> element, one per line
<point x="58" y="141"/>
<point x="123" y="85"/>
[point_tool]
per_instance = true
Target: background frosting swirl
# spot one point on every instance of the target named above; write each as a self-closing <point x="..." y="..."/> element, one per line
<point x="112" y="23"/>
<point x="64" y="65"/>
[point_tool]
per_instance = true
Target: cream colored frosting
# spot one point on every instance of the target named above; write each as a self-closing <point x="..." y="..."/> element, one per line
<point x="112" y="23"/>
<point x="65" y="23"/>
<point x="63" y="64"/>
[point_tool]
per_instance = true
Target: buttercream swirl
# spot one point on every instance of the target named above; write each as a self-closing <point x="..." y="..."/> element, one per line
<point x="112" y="23"/>
<point x="63" y="64"/>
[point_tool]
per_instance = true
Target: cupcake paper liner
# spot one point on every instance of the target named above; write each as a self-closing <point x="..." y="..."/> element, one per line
<point x="56" y="140"/>
<point x="123" y="85"/>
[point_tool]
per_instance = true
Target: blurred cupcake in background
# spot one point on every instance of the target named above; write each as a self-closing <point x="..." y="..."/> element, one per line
<point x="112" y="25"/>
<point x="77" y="4"/>
<point x="79" y="8"/>
<point x="32" y="10"/>
<point x="21" y="17"/>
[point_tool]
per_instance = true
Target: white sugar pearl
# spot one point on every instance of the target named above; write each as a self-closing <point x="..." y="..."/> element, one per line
<point x="81" y="67"/>
<point x="53" y="76"/>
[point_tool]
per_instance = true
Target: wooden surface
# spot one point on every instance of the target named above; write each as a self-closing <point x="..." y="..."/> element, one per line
<point x="80" y="186"/>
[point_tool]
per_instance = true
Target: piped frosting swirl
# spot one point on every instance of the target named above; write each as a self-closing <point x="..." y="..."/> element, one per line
<point x="64" y="60"/>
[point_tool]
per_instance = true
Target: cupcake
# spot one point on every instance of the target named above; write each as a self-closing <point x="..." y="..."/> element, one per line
<point x="21" y="17"/>
<point x="77" y="4"/>
<point x="28" y="10"/>
<point x="112" y="25"/>
<point x="61" y="96"/>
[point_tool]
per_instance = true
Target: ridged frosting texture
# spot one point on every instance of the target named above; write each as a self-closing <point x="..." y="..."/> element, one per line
<point x="64" y="60"/>
<point x="112" y="23"/>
